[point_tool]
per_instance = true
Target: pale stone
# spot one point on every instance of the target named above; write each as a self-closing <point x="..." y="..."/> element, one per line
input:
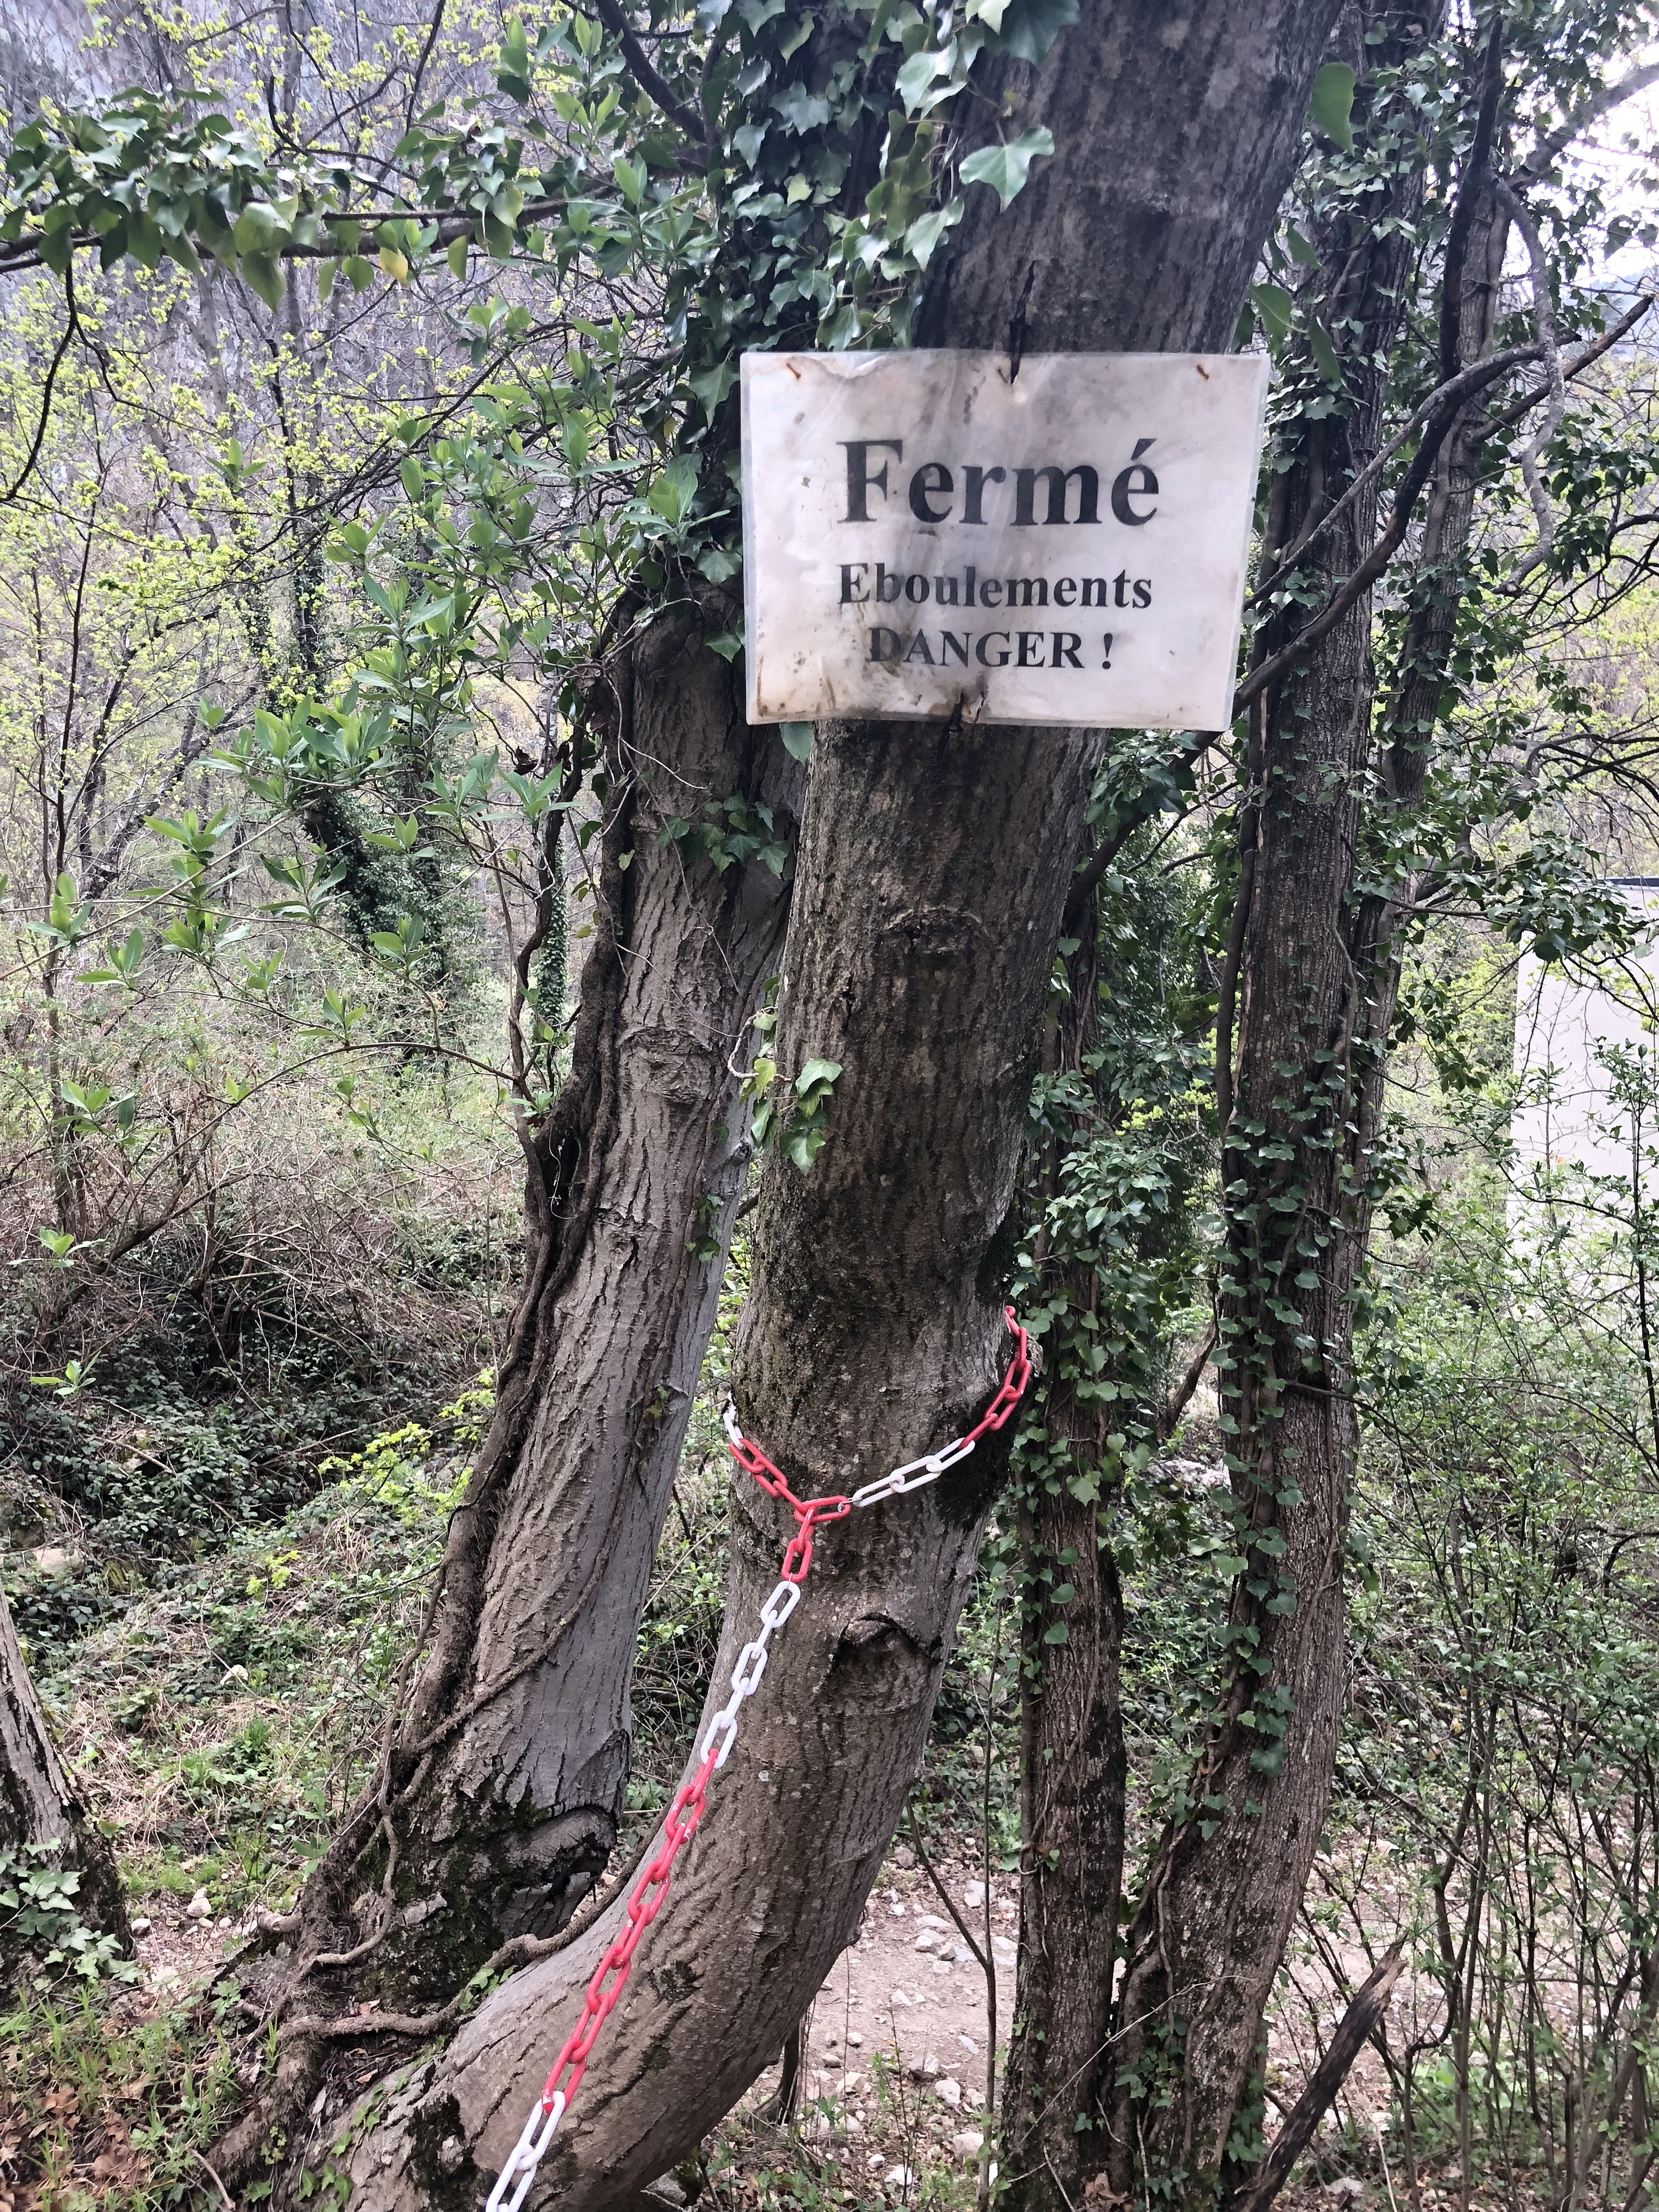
<point x="948" y="2091"/>
<point x="895" y="505"/>
<point x="924" y="2069"/>
<point x="141" y="1926"/>
<point x="199" y="1908"/>
<point x="899" y="2177"/>
<point x="969" y="2144"/>
<point x="854" y="2039"/>
<point x="975" y="1893"/>
<point x="927" y="1941"/>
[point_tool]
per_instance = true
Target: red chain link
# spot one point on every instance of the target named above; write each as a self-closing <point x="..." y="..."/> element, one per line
<point x="651" y="1891"/>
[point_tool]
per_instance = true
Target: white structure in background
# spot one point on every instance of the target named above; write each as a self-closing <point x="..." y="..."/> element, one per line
<point x="1560" y="1020"/>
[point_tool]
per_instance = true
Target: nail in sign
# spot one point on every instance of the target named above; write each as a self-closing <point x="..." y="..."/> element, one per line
<point x="926" y="534"/>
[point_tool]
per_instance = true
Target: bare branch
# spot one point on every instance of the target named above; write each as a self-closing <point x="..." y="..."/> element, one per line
<point x="1549" y="338"/>
<point x="1544" y="153"/>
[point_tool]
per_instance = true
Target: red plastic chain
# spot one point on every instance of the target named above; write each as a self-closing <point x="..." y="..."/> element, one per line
<point x="651" y="1891"/>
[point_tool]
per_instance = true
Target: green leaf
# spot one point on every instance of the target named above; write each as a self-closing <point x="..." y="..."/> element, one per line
<point x="728" y="644"/>
<point x="456" y="257"/>
<point x="797" y="738"/>
<point x="671" y="495"/>
<point x="1006" y="168"/>
<point x="926" y="231"/>
<point x="265" y="274"/>
<point x="1325" y="354"/>
<point x="258" y="229"/>
<point x="410" y="476"/>
<point x="1331" y="108"/>
<point x="512" y="75"/>
<point x="1275" y="306"/>
<point x="817" y="1071"/>
<point x="1029" y="28"/>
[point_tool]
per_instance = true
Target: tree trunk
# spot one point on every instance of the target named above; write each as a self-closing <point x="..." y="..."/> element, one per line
<point x="1073" y="1761"/>
<point x="38" y="1806"/>
<point x="496" y="1806"/>
<point x="933" y="866"/>
<point x="1209" y="1931"/>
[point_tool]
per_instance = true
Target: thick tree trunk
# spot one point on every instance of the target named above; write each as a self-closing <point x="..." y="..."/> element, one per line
<point x="37" y="1804"/>
<point x="933" y="867"/>
<point x="497" y="1804"/>
<point x="1209" y="1931"/>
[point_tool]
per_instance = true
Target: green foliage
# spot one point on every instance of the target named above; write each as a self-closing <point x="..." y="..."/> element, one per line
<point x="40" y="1919"/>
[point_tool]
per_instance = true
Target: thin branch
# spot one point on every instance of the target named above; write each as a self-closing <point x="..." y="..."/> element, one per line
<point x="1520" y="408"/>
<point x="6" y="497"/>
<point x="1544" y="154"/>
<point x="1549" y="337"/>
<point x="646" y="75"/>
<point x="1178" y="1400"/>
<point x="1369" y="2004"/>
<point x="946" y="1897"/>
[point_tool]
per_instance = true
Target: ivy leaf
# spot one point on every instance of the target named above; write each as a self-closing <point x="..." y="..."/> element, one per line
<point x="804" y="111"/>
<point x="1029" y="28"/>
<point x="915" y="81"/>
<point x="728" y="644"/>
<point x="926" y="231"/>
<point x="712" y="385"/>
<point x="797" y="738"/>
<point x="1006" y="168"/>
<point x="1275" y="306"/>
<point x="1330" y="367"/>
<point x="1331" y="108"/>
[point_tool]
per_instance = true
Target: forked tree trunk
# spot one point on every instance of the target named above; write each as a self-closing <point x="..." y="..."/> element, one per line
<point x="38" y="1806"/>
<point x="1209" y="1932"/>
<point x="934" y="868"/>
<point x="497" y="1805"/>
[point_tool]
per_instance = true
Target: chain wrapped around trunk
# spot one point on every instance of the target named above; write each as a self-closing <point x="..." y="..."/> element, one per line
<point x="651" y="1891"/>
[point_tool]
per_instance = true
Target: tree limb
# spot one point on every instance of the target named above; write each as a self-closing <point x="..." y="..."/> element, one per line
<point x="645" y="73"/>
<point x="1353" y="2031"/>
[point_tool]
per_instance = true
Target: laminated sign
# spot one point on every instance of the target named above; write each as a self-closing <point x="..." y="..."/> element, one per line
<point x="930" y="534"/>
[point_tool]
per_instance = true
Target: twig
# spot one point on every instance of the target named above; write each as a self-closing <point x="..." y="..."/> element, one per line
<point x="224" y="2194"/>
<point x="950" y="1904"/>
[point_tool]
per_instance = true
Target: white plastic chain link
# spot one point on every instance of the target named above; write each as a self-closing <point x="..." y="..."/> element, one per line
<point x="746" y="1675"/>
<point x="914" y="1474"/>
<point x="526" y="2155"/>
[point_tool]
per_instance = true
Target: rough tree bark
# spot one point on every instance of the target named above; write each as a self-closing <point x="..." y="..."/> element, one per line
<point x="497" y="1802"/>
<point x="38" y="1805"/>
<point x="1210" y="1928"/>
<point x="933" y="866"/>
<point x="1072" y="1758"/>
